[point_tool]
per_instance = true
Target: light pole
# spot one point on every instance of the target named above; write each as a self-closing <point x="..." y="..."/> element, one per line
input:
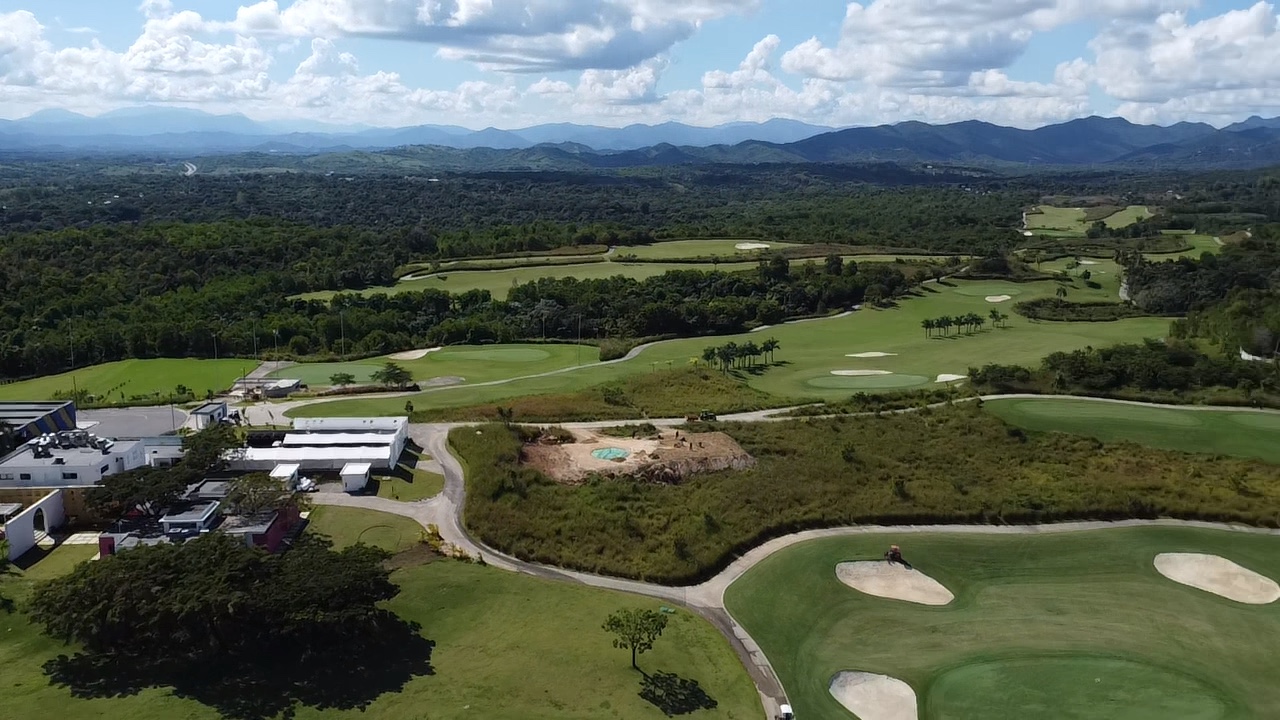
<point x="342" y="325"/>
<point x="215" y="346"/>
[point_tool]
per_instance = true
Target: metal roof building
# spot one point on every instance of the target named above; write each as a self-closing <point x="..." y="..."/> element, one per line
<point x="32" y="419"/>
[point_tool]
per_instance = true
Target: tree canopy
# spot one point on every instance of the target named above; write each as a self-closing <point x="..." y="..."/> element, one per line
<point x="635" y="630"/>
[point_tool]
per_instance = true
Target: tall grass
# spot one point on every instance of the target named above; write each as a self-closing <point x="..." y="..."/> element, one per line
<point x="934" y="466"/>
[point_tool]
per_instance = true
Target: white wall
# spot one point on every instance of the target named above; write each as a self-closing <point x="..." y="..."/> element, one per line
<point x="20" y="531"/>
<point x="125" y="456"/>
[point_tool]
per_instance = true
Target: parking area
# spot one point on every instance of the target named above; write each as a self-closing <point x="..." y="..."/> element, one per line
<point x="132" y="422"/>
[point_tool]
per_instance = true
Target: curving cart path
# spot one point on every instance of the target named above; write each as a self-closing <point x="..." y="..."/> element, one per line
<point x="445" y="512"/>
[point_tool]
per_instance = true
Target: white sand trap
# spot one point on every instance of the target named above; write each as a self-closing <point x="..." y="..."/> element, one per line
<point x="1219" y="576"/>
<point x="870" y="354"/>
<point x="879" y="578"/>
<point x="751" y="246"/>
<point x="413" y="354"/>
<point x="1027" y="233"/>
<point x="860" y="373"/>
<point x="1088" y="262"/>
<point x="999" y="298"/>
<point x="948" y="377"/>
<point x="874" y="697"/>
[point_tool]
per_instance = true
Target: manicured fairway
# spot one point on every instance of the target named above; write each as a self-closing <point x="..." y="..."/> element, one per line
<point x="1072" y="220"/>
<point x="508" y="647"/>
<point x="499" y="282"/>
<point x="134" y="378"/>
<point x="1225" y="432"/>
<point x="475" y="363"/>
<point x="722" y="247"/>
<point x="1127" y="216"/>
<point x="1075" y="626"/>
<point x="813" y="349"/>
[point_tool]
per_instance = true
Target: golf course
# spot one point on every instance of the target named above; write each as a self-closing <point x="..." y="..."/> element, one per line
<point x="1060" y="626"/>
<point x="118" y="383"/>
<point x="817" y="359"/>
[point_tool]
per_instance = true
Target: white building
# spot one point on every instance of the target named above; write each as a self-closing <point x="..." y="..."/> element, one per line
<point x="68" y="459"/>
<point x="355" y="476"/>
<point x="329" y="444"/>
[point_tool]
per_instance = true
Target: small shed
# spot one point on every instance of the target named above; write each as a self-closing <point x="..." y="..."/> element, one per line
<point x="208" y="414"/>
<point x="355" y="476"/>
<point x="287" y="474"/>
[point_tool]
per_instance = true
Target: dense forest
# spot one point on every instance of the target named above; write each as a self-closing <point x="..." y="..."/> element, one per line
<point x="101" y="262"/>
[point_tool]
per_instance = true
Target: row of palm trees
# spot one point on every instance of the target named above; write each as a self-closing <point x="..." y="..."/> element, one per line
<point x="969" y="322"/>
<point x="732" y="354"/>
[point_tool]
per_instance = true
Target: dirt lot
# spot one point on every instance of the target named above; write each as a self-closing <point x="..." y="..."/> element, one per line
<point x="666" y="458"/>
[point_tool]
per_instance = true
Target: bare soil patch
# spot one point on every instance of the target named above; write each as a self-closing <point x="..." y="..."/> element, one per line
<point x="667" y="458"/>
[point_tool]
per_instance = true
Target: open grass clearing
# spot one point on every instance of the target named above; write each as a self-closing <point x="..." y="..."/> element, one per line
<point x="1238" y="433"/>
<point x="1069" y="626"/>
<point x="721" y="247"/>
<point x="813" y="349"/>
<point x="474" y="363"/>
<point x="419" y="485"/>
<point x="508" y="646"/>
<point x="347" y="526"/>
<point x="1074" y="220"/>
<point x="943" y="465"/>
<point x="117" y="382"/>
<point x="500" y="282"/>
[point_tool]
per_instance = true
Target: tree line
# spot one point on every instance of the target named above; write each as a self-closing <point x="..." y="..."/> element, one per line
<point x="969" y="322"/>
<point x="732" y="354"/>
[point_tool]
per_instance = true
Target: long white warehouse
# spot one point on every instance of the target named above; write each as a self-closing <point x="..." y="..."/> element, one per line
<point x="329" y="444"/>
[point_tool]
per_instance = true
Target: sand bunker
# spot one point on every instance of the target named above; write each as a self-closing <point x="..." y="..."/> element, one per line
<point x="879" y="578"/>
<point x="413" y="354"/>
<point x="998" y="298"/>
<point x="860" y="373"/>
<point x="1088" y="262"/>
<point x="1027" y="233"/>
<point x="751" y="246"/>
<point x="874" y="697"/>
<point x="1219" y="576"/>
<point x="870" y="354"/>
<point x="948" y="377"/>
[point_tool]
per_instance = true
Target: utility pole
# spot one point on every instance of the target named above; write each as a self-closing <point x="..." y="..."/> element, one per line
<point x="579" y="360"/>
<point x="275" y="338"/>
<point x="342" y="324"/>
<point x="215" y="346"/>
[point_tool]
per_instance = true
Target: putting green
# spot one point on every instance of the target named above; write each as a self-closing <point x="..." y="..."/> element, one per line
<point x="866" y="382"/>
<point x="1098" y="688"/>
<point x="984" y="289"/>
<point x="1266" y="421"/>
<point x="511" y="355"/>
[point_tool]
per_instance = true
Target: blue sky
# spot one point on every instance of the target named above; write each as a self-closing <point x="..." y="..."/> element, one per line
<point x="511" y="63"/>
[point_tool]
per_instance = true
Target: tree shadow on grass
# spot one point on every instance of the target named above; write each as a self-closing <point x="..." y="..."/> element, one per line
<point x="674" y="695"/>
<point x="343" y="671"/>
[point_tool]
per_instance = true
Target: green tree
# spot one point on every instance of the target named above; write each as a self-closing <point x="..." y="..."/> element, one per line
<point x="834" y="264"/>
<point x="635" y="630"/>
<point x="393" y="375"/>
<point x="341" y="379"/>
<point x="927" y="324"/>
<point x="259" y="492"/>
<point x="146" y="490"/>
<point x="769" y="346"/>
<point x="1061" y="292"/>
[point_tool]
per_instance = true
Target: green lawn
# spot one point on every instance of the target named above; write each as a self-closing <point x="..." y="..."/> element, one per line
<point x="810" y="351"/>
<point x="346" y="526"/>
<point x="423" y="485"/>
<point x="507" y="646"/>
<point x="722" y="247"/>
<point x="1053" y="627"/>
<point x="1243" y="434"/>
<point x="499" y="282"/>
<point x="134" y="378"/>
<point x="476" y="363"/>
<point x="1071" y="221"/>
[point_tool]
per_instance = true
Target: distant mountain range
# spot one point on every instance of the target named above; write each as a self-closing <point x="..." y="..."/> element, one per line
<point x="1091" y="141"/>
<point x="185" y="130"/>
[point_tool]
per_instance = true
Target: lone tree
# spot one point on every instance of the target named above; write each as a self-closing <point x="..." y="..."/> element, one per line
<point x="635" y="630"/>
<point x="259" y="492"/>
<point x="342" y="379"/>
<point x="393" y="375"/>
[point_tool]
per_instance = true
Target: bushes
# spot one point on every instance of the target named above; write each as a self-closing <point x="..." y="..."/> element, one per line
<point x="1065" y="311"/>
<point x="947" y="465"/>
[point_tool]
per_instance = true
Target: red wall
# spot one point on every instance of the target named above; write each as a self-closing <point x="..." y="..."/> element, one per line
<point x="106" y="546"/>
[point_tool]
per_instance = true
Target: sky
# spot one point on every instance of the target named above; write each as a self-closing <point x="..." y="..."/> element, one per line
<point x="515" y="63"/>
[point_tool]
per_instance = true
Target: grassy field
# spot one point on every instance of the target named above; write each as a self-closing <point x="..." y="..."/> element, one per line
<point x="721" y="247"/>
<point x="499" y="282"/>
<point x="475" y="363"/>
<point x="939" y="466"/>
<point x="134" y="378"/>
<point x="421" y="486"/>
<point x="347" y="526"/>
<point x="507" y="647"/>
<point x="1076" y="626"/>
<point x="1073" y="220"/>
<point x="1242" y="434"/>
<point x="810" y="351"/>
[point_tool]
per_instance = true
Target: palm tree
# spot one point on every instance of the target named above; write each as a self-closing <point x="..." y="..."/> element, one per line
<point x="725" y="356"/>
<point x="994" y="315"/>
<point x="1062" y="292"/>
<point x="1003" y="319"/>
<point x="945" y="323"/>
<point x="733" y="352"/>
<point x="960" y="321"/>
<point x="768" y="346"/>
<point x="709" y="354"/>
<point x="505" y="414"/>
<point x="979" y="321"/>
<point x="750" y="351"/>
<point x="927" y="324"/>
